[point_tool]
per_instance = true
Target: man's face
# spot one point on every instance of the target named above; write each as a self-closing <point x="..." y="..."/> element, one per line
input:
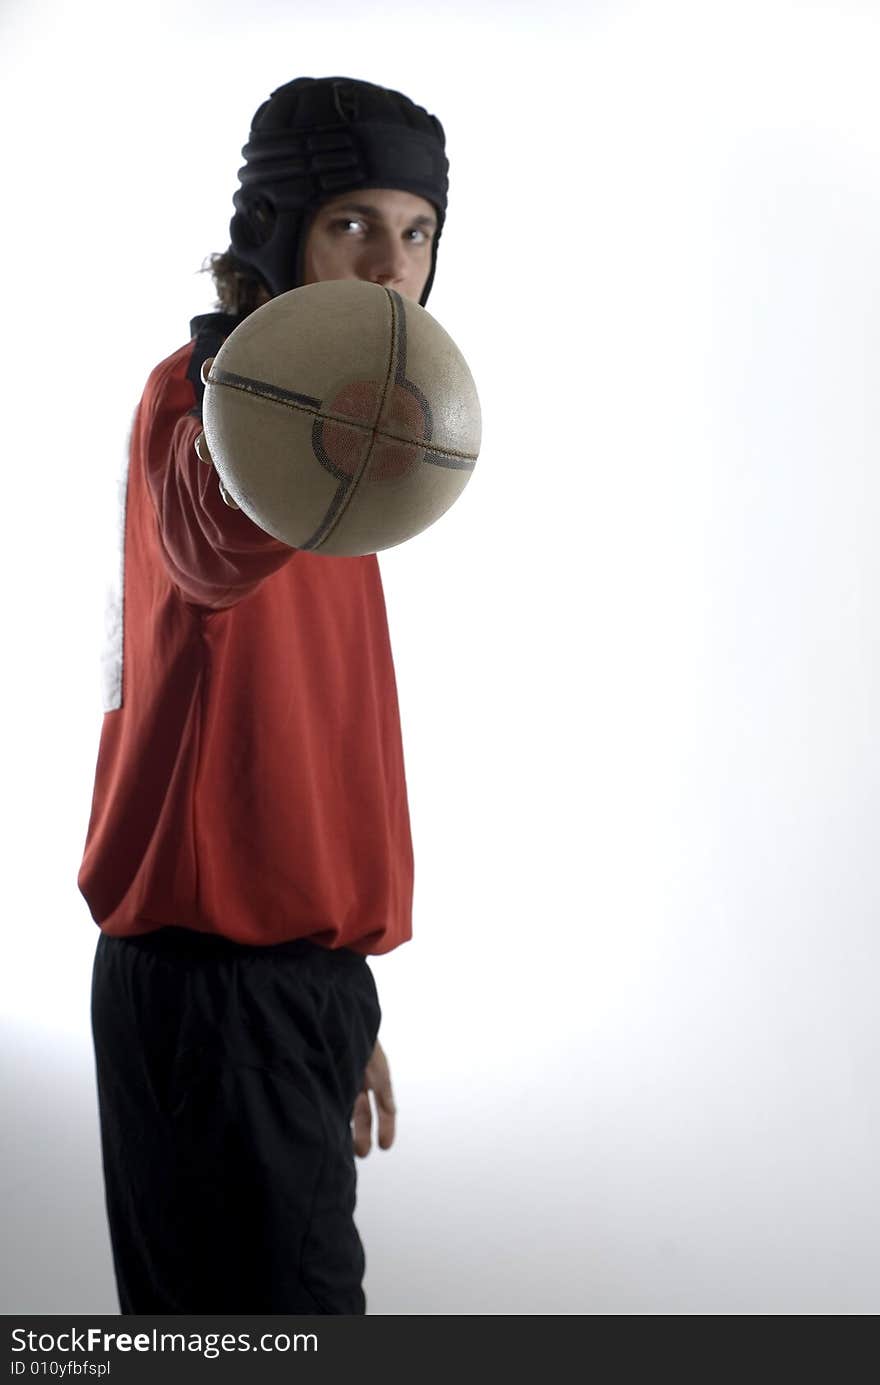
<point x="381" y="235"/>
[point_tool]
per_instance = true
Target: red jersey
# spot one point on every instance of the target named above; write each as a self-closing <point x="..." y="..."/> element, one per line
<point x="250" y="778"/>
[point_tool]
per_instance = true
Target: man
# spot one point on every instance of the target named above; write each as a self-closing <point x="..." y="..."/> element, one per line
<point x="249" y="841"/>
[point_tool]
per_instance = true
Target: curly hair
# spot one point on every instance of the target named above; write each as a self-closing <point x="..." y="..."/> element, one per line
<point x="239" y="289"/>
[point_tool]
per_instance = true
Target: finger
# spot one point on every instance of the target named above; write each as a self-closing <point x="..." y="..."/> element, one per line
<point x="362" y="1120"/>
<point x="387" y="1115"/>
<point x="202" y="452"/>
<point x="205" y="370"/>
<point x="227" y="498"/>
<point x="378" y="1078"/>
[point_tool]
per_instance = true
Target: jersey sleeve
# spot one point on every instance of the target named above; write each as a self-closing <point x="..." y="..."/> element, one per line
<point x="214" y="555"/>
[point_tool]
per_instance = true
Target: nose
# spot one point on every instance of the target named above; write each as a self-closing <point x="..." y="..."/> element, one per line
<point x="386" y="261"/>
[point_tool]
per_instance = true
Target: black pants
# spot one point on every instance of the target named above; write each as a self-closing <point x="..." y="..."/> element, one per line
<point x="226" y="1080"/>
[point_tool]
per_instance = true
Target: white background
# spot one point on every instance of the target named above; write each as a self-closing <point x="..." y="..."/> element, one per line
<point x="635" y="1040"/>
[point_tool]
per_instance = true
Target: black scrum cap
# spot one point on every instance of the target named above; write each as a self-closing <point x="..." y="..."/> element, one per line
<point x="318" y="137"/>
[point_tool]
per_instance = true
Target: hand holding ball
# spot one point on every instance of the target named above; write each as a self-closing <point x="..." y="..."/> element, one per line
<point x="341" y="418"/>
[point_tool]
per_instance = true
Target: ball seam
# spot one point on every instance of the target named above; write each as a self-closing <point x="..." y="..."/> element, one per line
<point x="246" y="386"/>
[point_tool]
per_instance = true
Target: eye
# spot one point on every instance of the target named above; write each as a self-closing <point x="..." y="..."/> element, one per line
<point x="347" y="224"/>
<point x="418" y="235"/>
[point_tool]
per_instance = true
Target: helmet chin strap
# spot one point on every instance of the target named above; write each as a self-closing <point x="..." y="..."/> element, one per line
<point x="314" y="139"/>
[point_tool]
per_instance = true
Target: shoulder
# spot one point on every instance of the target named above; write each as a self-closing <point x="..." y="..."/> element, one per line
<point x="176" y="382"/>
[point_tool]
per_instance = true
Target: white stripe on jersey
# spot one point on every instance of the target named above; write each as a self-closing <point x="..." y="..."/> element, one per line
<point x="112" y="656"/>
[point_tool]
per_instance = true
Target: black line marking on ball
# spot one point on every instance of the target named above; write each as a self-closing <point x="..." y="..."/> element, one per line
<point x="323" y="528"/>
<point x="322" y="454"/>
<point x="259" y="389"/>
<point x="399" y="336"/>
<point x="262" y="388"/>
<point x="454" y="462"/>
<point x="400" y="374"/>
<point x="343" y="496"/>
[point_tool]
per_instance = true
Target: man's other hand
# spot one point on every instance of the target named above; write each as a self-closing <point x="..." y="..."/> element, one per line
<point x="377" y="1079"/>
